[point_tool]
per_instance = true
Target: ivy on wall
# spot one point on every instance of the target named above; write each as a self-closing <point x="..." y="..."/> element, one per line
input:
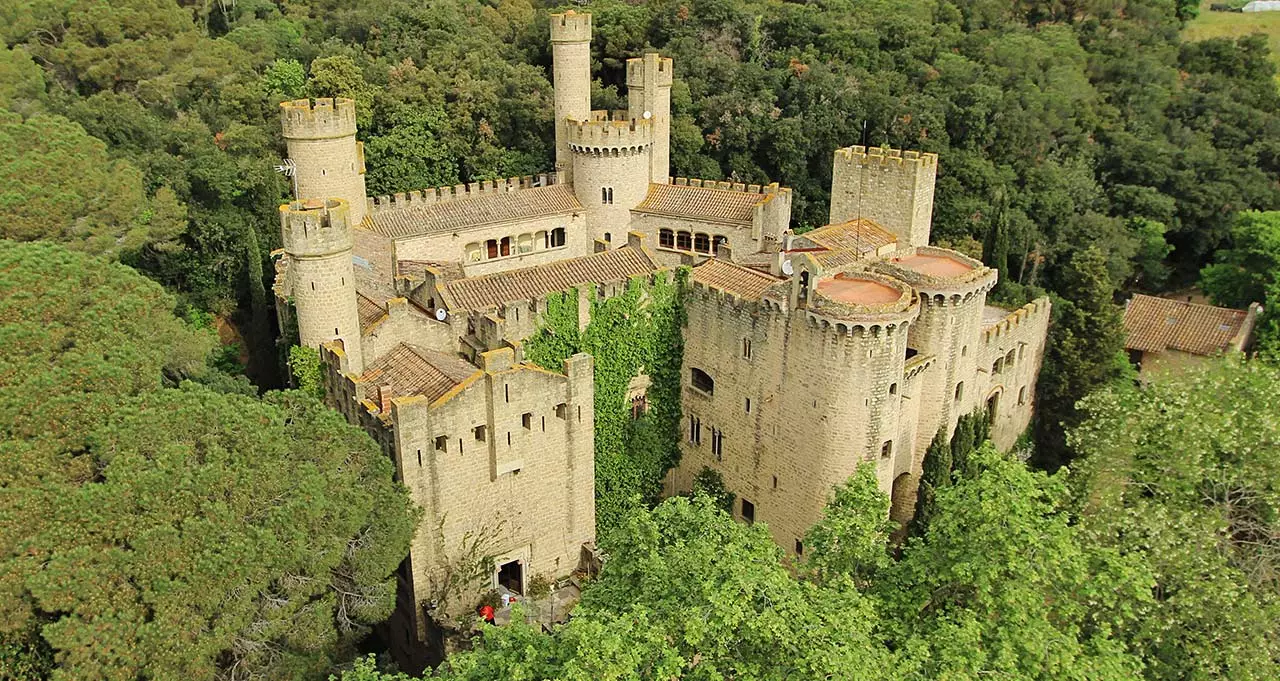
<point x="639" y="331"/>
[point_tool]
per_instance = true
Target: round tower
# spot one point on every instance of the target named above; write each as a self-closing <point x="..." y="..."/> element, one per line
<point x="953" y="293"/>
<point x="321" y="137"/>
<point x="317" y="238"/>
<point x="649" y="81"/>
<point x="610" y="170"/>
<point x="571" y="70"/>
<point x="854" y="325"/>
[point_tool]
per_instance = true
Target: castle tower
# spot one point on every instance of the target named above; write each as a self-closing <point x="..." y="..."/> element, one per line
<point x="649" y="96"/>
<point x="889" y="186"/>
<point x="571" y="68"/>
<point x="953" y="293"/>
<point x="317" y="240"/>
<point x="610" y="170"/>
<point x="321" y="138"/>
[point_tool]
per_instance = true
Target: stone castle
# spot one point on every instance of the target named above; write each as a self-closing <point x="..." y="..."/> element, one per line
<point x="806" y="355"/>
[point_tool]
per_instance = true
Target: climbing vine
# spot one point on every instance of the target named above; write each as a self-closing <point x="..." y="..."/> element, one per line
<point x="638" y="331"/>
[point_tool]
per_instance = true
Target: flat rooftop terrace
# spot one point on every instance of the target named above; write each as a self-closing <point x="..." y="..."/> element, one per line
<point x="940" y="266"/>
<point x="857" y="291"/>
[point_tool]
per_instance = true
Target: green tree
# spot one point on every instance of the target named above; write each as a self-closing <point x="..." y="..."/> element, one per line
<point x="1184" y="473"/>
<point x="852" y="538"/>
<point x="1084" y="352"/>
<point x="1244" y="271"/>
<point x="1001" y="584"/>
<point x="710" y="483"/>
<point x="61" y="185"/>
<point x="151" y="531"/>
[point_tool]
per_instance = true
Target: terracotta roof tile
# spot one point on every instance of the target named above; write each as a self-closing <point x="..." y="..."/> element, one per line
<point x="720" y="205"/>
<point x="487" y="209"/>
<point x="368" y="310"/>
<point x="533" y="282"/>
<point x="741" y="281"/>
<point x="1158" y="324"/>
<point x="408" y="370"/>
<point x="859" y="235"/>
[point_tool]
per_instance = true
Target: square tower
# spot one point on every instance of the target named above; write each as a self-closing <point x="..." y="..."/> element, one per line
<point x="890" y="186"/>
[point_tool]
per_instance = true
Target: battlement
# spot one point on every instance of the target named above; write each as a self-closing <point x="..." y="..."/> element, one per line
<point x="324" y="118"/>
<point x="661" y="67"/>
<point x="316" y="227"/>
<point x="767" y="189"/>
<point x="570" y="27"/>
<point x="601" y="136"/>
<point x="858" y="155"/>
<point x="1032" y="313"/>
<point x="935" y="270"/>
<point x="434" y="195"/>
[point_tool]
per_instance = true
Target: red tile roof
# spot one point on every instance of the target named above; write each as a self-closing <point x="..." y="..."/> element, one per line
<point x="1157" y="324"/>
<point x="486" y="209"/>
<point x="702" y="203"/>
<point x="860" y="235"/>
<point x="409" y="370"/>
<point x="534" y="282"/>
<point x="741" y="281"/>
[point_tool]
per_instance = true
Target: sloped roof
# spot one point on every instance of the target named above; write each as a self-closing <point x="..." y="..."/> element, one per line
<point x="368" y="310"/>
<point x="859" y="235"/>
<point x="533" y="282"/>
<point x="486" y="209"/>
<point x="410" y="370"/>
<point x="741" y="281"/>
<point x="1157" y="324"/>
<point x="702" y="203"/>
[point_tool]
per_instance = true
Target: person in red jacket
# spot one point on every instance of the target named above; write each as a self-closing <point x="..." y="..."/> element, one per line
<point x="486" y="611"/>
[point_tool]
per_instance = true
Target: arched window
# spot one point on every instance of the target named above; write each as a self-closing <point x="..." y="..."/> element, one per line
<point x="474" y="254"/>
<point x="804" y="287"/>
<point x="1009" y="358"/>
<point x="557" y="237"/>
<point x="606" y="195"/>
<point x="718" y="242"/>
<point x="997" y="365"/>
<point x="701" y="243"/>
<point x="701" y="380"/>
<point x="541" y="240"/>
<point x="959" y="391"/>
<point x="1022" y="395"/>
<point x="506" y="245"/>
<point x="524" y="243"/>
<point x="893" y="389"/>
<point x="491" y="248"/>
<point x="666" y="238"/>
<point x="684" y="241"/>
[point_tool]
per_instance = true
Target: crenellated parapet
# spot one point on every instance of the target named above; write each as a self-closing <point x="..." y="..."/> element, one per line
<point x="571" y="27"/>
<point x="651" y="69"/>
<point x="434" y="195"/>
<point x="1034" y="314"/>
<point x="318" y="119"/>
<point x="771" y="188"/>
<point x="860" y="156"/>
<point x="610" y="137"/>
<point x="315" y="228"/>
<point x="862" y="300"/>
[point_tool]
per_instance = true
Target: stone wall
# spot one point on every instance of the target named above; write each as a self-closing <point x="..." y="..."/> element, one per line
<point x="321" y="139"/>
<point x="1010" y="356"/>
<point x="890" y="186"/>
<point x="459" y="246"/>
<point x="321" y="280"/>
<point x="624" y="177"/>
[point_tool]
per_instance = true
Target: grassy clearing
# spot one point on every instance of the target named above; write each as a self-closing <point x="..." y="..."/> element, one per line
<point x="1234" y="25"/>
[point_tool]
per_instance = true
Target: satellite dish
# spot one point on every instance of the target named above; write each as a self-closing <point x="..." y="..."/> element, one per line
<point x="787" y="269"/>
<point x="648" y="115"/>
<point x="441" y="314"/>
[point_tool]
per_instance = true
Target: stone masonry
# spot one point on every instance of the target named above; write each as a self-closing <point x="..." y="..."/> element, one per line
<point x="806" y="355"/>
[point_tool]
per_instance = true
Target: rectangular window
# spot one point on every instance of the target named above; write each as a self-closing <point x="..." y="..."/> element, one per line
<point x="695" y="430"/>
<point x="748" y="511"/>
<point x="526" y="420"/>
<point x="799" y="548"/>
<point x="886" y="449"/>
<point x="748" y="405"/>
<point x="442" y="443"/>
<point x="562" y="411"/>
<point x="478" y="431"/>
<point x="746" y="348"/>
